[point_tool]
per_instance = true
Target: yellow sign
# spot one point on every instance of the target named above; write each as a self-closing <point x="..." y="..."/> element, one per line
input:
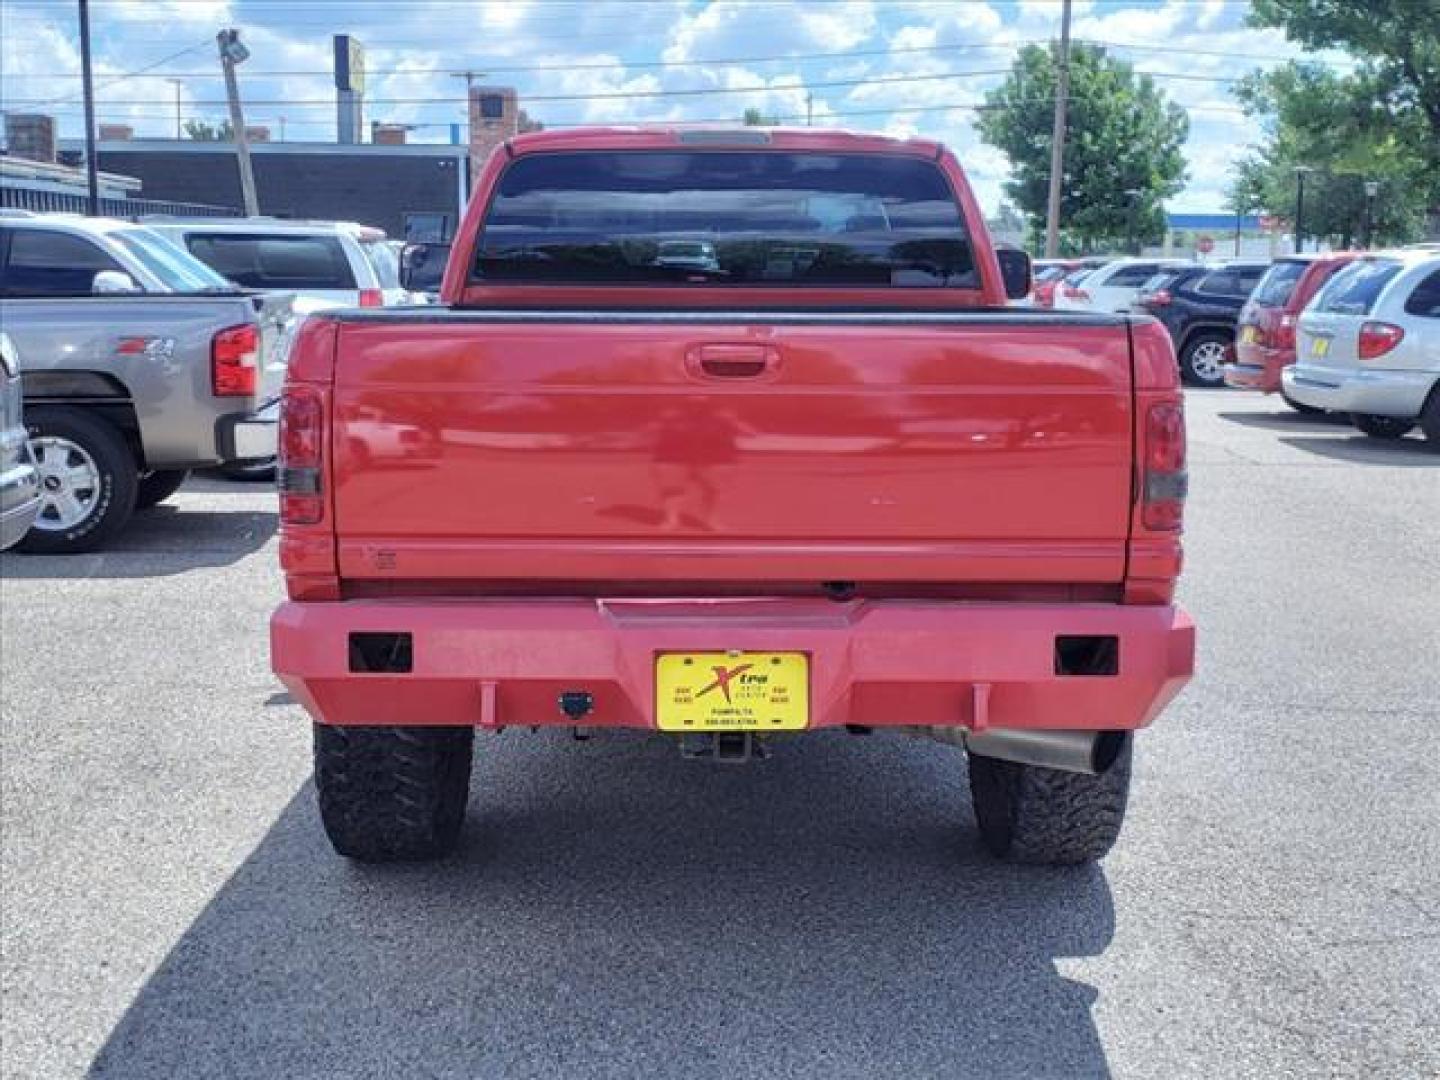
<point x="719" y="691"/>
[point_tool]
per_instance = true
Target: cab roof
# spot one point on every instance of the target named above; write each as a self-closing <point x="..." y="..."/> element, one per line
<point x="657" y="137"/>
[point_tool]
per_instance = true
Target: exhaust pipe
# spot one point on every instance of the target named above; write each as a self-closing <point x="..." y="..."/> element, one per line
<point x="1090" y="752"/>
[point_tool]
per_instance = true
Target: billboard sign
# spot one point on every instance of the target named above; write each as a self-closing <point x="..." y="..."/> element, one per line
<point x="349" y="64"/>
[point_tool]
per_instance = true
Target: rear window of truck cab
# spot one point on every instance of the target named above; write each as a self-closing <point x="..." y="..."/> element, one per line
<point x="708" y="217"/>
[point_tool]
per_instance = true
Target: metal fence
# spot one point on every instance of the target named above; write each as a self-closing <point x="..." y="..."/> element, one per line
<point x="21" y="198"/>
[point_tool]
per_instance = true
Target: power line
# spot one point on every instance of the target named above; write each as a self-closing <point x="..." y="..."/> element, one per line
<point x="121" y="78"/>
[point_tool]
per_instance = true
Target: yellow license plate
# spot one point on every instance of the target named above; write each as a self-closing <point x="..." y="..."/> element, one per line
<point x="722" y="691"/>
<point x="1320" y="346"/>
<point x="1247" y="335"/>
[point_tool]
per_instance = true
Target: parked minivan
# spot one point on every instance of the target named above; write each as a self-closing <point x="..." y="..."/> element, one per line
<point x="1369" y="345"/>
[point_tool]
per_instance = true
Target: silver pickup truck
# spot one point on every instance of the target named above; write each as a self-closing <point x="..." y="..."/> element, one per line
<point x="139" y="364"/>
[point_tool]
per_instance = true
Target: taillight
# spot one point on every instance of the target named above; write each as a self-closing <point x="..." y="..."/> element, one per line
<point x="235" y="361"/>
<point x="372" y="298"/>
<point x="1378" y="338"/>
<point x="1159" y="298"/>
<point x="302" y="433"/>
<point x="1285" y="332"/>
<point x="1074" y="292"/>
<point x="1164" y="482"/>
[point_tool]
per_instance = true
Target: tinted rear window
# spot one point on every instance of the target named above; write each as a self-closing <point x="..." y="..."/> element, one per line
<point x="1278" y="284"/>
<point x="275" y="262"/>
<point x="725" y="217"/>
<point x="1354" y="290"/>
<point x="1425" y="300"/>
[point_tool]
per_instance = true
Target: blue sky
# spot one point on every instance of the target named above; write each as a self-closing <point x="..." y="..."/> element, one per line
<point x="897" y="66"/>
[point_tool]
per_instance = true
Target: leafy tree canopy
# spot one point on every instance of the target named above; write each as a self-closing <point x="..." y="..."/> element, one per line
<point x="1123" y="154"/>
<point x="200" y="131"/>
<point x="1378" y="124"/>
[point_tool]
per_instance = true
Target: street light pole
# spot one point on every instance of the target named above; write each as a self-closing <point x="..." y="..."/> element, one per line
<point x="1300" y="171"/>
<point x="1372" y="188"/>
<point x="1057" y="139"/>
<point x="92" y="167"/>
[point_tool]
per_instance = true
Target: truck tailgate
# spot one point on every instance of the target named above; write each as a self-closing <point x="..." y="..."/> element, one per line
<point x="738" y="447"/>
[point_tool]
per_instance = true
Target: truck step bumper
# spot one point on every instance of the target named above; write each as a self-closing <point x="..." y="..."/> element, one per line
<point x="874" y="663"/>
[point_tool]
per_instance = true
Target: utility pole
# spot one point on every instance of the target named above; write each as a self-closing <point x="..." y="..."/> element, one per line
<point x="177" y="83"/>
<point x="809" y="109"/>
<point x="1057" y="139"/>
<point x="92" y="167"/>
<point x="1300" y="171"/>
<point x="232" y="52"/>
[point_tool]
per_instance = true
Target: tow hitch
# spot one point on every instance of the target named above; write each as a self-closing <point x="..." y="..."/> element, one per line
<point x="723" y="747"/>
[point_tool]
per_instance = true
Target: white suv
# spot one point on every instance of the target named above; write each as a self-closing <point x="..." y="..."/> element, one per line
<point x="324" y="264"/>
<point x="1369" y="345"/>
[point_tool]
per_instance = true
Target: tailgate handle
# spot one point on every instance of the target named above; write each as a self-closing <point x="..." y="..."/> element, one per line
<point x="739" y="361"/>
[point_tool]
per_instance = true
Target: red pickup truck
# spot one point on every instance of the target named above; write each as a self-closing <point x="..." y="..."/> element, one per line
<point x="730" y="436"/>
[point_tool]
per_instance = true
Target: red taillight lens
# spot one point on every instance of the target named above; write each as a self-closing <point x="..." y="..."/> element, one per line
<point x="302" y="434"/>
<point x="372" y="298"/>
<point x="235" y="361"/>
<point x="1285" y="332"/>
<point x="1164" y="481"/>
<point x="1074" y="292"/>
<point x="1159" y="298"/>
<point x="1378" y="338"/>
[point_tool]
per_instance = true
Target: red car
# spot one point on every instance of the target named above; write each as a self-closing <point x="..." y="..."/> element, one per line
<point x="821" y="479"/>
<point x="1048" y="274"/>
<point x="1265" y="333"/>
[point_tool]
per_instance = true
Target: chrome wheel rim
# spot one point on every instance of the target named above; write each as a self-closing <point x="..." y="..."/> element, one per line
<point x="69" y="482"/>
<point x="1206" y="360"/>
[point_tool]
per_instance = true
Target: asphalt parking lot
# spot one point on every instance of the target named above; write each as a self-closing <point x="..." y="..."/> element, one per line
<point x="171" y="907"/>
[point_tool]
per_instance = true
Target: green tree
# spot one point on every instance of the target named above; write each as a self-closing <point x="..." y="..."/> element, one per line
<point x="200" y="131"/>
<point x="1379" y="123"/>
<point x="1123" y="145"/>
<point x="755" y="118"/>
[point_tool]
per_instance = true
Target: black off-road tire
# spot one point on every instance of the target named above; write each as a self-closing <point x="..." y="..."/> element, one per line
<point x="118" y="478"/>
<point x="1046" y="817"/>
<point x="155" y="487"/>
<point x="1382" y="427"/>
<point x="1203" y="343"/>
<point x="391" y="794"/>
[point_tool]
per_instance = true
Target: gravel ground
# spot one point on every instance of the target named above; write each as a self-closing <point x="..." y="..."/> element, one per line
<point x="172" y="909"/>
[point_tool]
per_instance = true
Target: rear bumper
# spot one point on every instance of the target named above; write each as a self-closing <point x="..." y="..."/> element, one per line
<point x="1257" y="368"/>
<point x="249" y="437"/>
<point x="1380" y="393"/>
<point x="882" y="663"/>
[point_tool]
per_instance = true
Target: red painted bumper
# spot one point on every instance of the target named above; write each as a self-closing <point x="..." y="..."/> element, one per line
<point x="505" y="662"/>
<point x="1258" y="368"/>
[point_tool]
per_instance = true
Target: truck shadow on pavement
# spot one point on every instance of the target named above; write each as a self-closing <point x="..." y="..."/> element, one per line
<point x="158" y="542"/>
<point x="615" y="911"/>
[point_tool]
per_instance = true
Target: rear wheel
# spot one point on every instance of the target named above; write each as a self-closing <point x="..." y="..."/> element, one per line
<point x="87" y="481"/>
<point x="1382" y="427"/>
<point x="1203" y="357"/>
<point x="155" y="487"/>
<point x="389" y="794"/>
<point x="1430" y="417"/>
<point x="1029" y="814"/>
